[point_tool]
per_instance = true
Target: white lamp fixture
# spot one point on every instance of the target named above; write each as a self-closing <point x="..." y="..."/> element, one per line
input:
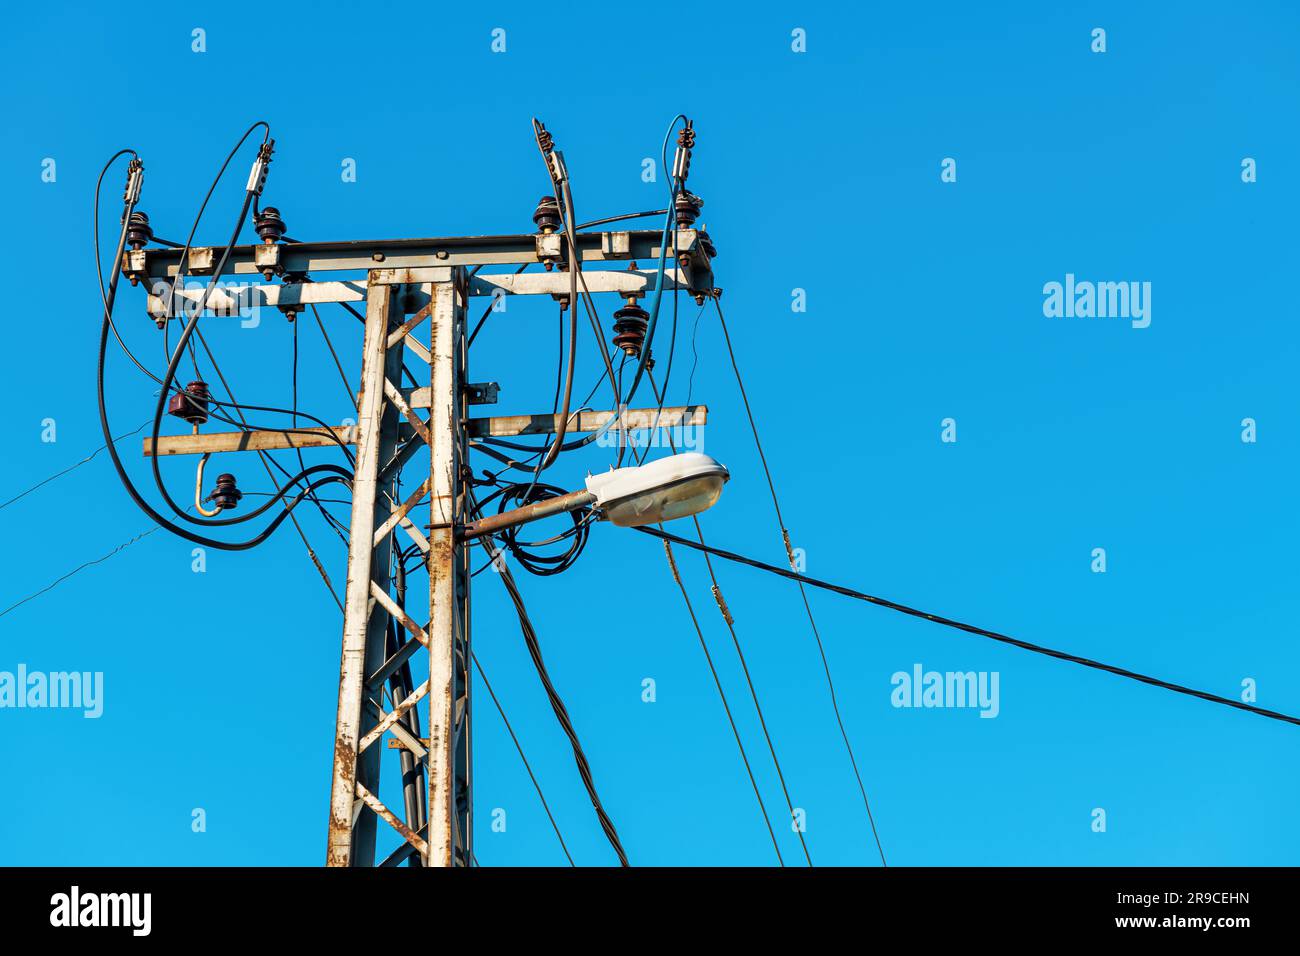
<point x="673" y="487"/>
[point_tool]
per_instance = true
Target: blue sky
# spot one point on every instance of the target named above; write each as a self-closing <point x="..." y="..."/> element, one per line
<point x="820" y="171"/>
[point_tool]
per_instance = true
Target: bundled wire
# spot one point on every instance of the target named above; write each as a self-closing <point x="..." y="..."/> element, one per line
<point x="519" y="748"/>
<point x="521" y="494"/>
<point x="562" y="714"/>
<point x="332" y="473"/>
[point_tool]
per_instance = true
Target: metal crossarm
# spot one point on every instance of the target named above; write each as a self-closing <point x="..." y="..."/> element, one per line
<point x="416" y="295"/>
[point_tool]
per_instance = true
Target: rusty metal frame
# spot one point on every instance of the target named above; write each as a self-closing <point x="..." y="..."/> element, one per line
<point x="295" y="295"/>
<point x="451" y="824"/>
<point x="443" y="838"/>
<point x="355" y="778"/>
<point x="427" y="279"/>
<point x="687" y="247"/>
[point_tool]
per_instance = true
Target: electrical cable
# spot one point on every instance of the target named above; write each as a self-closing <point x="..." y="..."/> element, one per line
<point x="785" y="535"/>
<point x="330" y="520"/>
<point x="740" y="654"/>
<point x="723" y="697"/>
<point x="334" y="355"/>
<point x="625" y="216"/>
<point x="169" y="307"/>
<point x="669" y="220"/>
<point x="77" y="570"/>
<point x="488" y="311"/>
<point x="110" y="298"/>
<point x="662" y="394"/>
<point x="185" y="337"/>
<point x="972" y="629"/>
<point x="293" y="480"/>
<point x="561" y="713"/>
<point x="695" y="360"/>
<point x="522" y="756"/>
<point x="494" y="479"/>
<point x="521" y="495"/>
<point x="555" y="403"/>
<point x="250" y="194"/>
<point x="99" y="270"/>
<point x="212" y="400"/>
<point x="546" y="145"/>
<point x="575" y="266"/>
<point x="60" y="474"/>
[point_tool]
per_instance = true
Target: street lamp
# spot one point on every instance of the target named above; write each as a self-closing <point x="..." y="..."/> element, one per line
<point x="676" y="486"/>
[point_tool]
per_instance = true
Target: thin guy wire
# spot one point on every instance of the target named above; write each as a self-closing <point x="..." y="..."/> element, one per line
<point x="785" y="535"/>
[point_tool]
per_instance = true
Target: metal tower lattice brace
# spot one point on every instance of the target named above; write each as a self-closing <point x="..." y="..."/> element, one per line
<point x="427" y="280"/>
<point x="364" y="669"/>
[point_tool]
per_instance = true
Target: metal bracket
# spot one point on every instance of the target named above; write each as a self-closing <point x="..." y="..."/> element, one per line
<point x="202" y="261"/>
<point x="267" y="258"/>
<point x="482" y="393"/>
<point x="549" y="246"/>
<point x="616" y="245"/>
<point x="136" y="265"/>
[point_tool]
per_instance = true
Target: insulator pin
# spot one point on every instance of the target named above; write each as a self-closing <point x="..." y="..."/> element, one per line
<point x="547" y="214"/>
<point x="226" y="495"/>
<point x="629" y="328"/>
<point x="192" y="404"/>
<point x="269" y="226"/>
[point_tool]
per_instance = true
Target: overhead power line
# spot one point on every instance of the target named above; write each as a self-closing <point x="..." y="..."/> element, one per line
<point x="785" y="537"/>
<point x="561" y="713"/>
<point x="972" y="629"/>
<point x="78" y="570"/>
<point x="717" y="682"/>
<point x="740" y="654"/>
<point x="522" y="756"/>
<point x="60" y="474"/>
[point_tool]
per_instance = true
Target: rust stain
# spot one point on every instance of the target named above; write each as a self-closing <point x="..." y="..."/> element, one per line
<point x="345" y="758"/>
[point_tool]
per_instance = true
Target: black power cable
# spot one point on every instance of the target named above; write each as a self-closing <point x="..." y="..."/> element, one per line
<point x="519" y="495"/>
<point x="972" y="629"/>
<point x="674" y="185"/>
<point x="545" y="147"/>
<point x="524" y="757"/>
<point x="740" y="653"/>
<point x="812" y="623"/>
<point x="622" y="218"/>
<point x="722" y="695"/>
<point x="561" y="714"/>
<point x="109" y="300"/>
<point x="191" y="327"/>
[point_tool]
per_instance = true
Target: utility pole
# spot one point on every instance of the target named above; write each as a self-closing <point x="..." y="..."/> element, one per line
<point x="416" y="295"/>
